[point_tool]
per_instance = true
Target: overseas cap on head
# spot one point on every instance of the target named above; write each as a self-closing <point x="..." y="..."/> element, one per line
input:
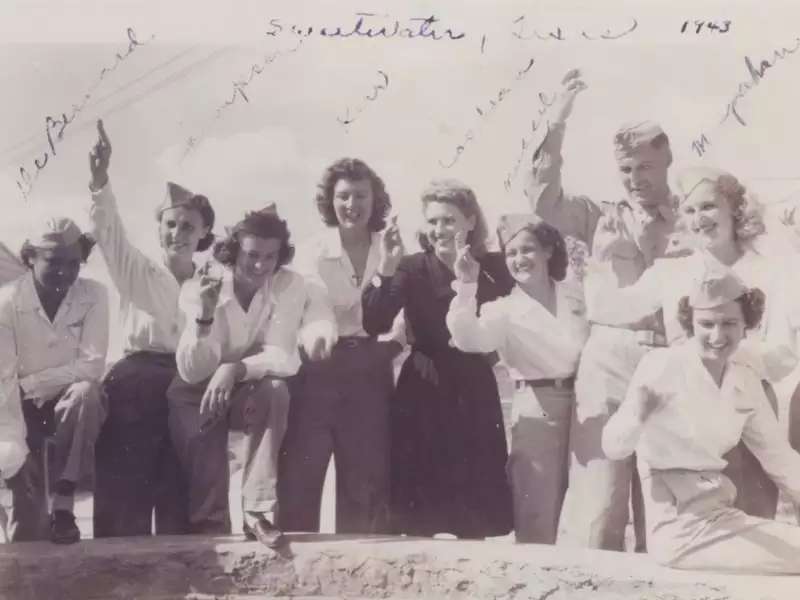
<point x="52" y="232"/>
<point x="249" y="224"/>
<point x="690" y="178"/>
<point x="509" y="225"/>
<point x="631" y="138"/>
<point x="177" y="195"/>
<point x="716" y="287"/>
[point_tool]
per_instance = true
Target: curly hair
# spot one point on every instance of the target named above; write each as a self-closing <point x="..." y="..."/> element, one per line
<point x="549" y="238"/>
<point x="352" y="169"/>
<point x="458" y="194"/>
<point x="748" y="222"/>
<point x="28" y="252"/>
<point x="259" y="224"/>
<point x="752" y="303"/>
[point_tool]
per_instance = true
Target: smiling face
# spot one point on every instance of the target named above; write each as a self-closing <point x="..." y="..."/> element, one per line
<point x="708" y="217"/>
<point x="56" y="269"/>
<point x="644" y="175"/>
<point x="442" y="222"/>
<point x="718" y="331"/>
<point x="353" y="201"/>
<point x="180" y="229"/>
<point x="526" y="258"/>
<point x="256" y="260"/>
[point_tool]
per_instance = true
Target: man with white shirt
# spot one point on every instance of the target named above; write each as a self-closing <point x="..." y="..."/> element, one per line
<point x="53" y="343"/>
<point x="239" y="342"/>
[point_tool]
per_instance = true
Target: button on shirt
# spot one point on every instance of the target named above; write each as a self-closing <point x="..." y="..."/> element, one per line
<point x="534" y="343"/>
<point x="264" y="337"/>
<point x="148" y="291"/>
<point x="696" y="421"/>
<point x="48" y="356"/>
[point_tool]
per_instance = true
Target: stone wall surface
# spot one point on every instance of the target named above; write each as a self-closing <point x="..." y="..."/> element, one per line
<point x="318" y="566"/>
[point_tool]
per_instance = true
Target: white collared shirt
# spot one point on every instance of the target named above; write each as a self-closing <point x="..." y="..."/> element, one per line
<point x="47" y="356"/>
<point x="696" y="421"/>
<point x="264" y="337"/>
<point x="770" y="349"/>
<point x="534" y="343"/>
<point x="148" y="291"/>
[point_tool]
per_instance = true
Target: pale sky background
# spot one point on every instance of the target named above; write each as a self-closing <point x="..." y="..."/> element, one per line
<point x="274" y="147"/>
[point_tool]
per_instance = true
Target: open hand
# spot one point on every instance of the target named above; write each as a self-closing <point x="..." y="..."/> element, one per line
<point x="571" y="85"/>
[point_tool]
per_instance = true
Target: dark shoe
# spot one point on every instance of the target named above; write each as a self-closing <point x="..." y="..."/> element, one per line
<point x="265" y="532"/>
<point x="63" y="529"/>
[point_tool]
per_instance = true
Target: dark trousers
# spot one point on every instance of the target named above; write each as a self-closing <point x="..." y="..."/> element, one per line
<point x="136" y="466"/>
<point x="339" y="406"/>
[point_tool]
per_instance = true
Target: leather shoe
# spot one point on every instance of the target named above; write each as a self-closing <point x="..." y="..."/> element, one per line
<point x="264" y="531"/>
<point x="63" y="529"/>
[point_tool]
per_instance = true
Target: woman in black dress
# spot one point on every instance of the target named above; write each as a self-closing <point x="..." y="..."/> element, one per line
<point x="448" y="443"/>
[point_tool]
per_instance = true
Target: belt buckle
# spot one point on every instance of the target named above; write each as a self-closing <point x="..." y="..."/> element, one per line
<point x="646" y="337"/>
<point x="559" y="383"/>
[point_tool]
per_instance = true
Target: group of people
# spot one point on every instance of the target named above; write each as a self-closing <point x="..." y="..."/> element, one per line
<point x="642" y="377"/>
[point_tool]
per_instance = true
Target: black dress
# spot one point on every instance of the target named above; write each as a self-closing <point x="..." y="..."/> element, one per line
<point x="448" y="447"/>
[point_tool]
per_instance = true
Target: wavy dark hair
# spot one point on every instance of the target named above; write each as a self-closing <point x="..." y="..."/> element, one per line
<point x="28" y="251"/>
<point x="458" y="194"/>
<point x="752" y="302"/>
<point x="549" y="238"/>
<point x="352" y="169"/>
<point x="259" y="224"/>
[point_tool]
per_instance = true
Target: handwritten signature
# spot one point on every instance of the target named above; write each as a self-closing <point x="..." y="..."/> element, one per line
<point x="371" y="97"/>
<point x="412" y="28"/>
<point x="525" y="32"/>
<point x="485" y="112"/>
<point x="238" y="90"/>
<point x="756" y="75"/>
<point x="545" y="102"/>
<point x="59" y="125"/>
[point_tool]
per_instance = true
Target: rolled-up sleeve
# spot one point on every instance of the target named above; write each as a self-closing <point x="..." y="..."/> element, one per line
<point x="197" y="356"/>
<point x="276" y="355"/>
<point x="89" y="363"/>
<point x="469" y="332"/>
<point x="575" y="216"/>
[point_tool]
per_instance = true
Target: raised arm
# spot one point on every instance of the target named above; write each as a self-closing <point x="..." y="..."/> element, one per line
<point x="199" y="349"/>
<point x="136" y="276"/>
<point x="572" y="216"/>
<point x="381" y="303"/>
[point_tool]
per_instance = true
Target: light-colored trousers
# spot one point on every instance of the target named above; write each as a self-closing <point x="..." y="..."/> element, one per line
<point x="692" y="524"/>
<point x="595" y="512"/>
<point x="203" y="455"/>
<point x="73" y="420"/>
<point x="539" y="460"/>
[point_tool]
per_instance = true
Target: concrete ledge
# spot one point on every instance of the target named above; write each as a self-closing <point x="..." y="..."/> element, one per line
<point x="346" y="567"/>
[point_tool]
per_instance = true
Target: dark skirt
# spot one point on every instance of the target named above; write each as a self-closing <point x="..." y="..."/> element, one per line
<point x="448" y="450"/>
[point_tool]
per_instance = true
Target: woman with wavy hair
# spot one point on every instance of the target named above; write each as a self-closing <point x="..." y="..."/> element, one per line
<point x="539" y="330"/>
<point x="686" y="408"/>
<point x="136" y="467"/>
<point x="340" y="397"/>
<point x="721" y="225"/>
<point x="448" y="447"/>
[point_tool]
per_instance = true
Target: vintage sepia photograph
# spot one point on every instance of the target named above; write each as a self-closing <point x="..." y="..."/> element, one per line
<point x="400" y="299"/>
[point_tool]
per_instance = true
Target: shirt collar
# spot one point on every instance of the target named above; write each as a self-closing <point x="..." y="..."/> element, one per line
<point x="666" y="209"/>
<point x="227" y="293"/>
<point x="29" y="301"/>
<point x="331" y="243"/>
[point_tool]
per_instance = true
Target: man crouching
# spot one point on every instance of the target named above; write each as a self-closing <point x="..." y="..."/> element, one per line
<point x="53" y="343"/>
<point x="239" y="340"/>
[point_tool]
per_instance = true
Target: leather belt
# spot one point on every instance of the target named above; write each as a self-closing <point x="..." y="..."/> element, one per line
<point x="352" y="341"/>
<point x="567" y="383"/>
<point x="648" y="337"/>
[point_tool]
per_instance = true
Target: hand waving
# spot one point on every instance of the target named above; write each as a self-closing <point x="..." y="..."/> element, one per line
<point x="571" y="85"/>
